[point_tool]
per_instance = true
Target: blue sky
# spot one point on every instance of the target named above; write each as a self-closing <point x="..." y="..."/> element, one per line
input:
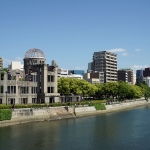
<point x="70" y="31"/>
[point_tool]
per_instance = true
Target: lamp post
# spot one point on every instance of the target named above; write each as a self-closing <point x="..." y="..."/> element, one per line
<point x="6" y="97"/>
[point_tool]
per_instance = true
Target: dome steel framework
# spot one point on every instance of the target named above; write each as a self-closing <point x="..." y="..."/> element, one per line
<point x="34" y="53"/>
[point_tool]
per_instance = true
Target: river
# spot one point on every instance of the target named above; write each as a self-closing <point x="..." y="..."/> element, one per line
<point x="125" y="130"/>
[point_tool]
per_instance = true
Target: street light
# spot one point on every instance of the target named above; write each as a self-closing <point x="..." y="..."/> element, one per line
<point x="6" y="97"/>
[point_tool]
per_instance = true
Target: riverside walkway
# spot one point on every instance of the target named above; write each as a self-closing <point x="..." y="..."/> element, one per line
<point x="21" y="116"/>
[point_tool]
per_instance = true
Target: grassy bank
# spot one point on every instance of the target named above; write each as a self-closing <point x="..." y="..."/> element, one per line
<point x="5" y="114"/>
<point x="82" y="103"/>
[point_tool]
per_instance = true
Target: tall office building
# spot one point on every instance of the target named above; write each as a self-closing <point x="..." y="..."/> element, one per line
<point x="139" y="73"/>
<point x="90" y="65"/>
<point x="125" y="75"/>
<point x="1" y="62"/>
<point x="139" y="76"/>
<point x="105" y="62"/>
<point x="146" y="72"/>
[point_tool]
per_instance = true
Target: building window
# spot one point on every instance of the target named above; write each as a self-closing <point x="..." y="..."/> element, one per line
<point x="23" y="90"/>
<point x="34" y="90"/>
<point x="52" y="89"/>
<point x="0" y="101"/>
<point x="48" y="90"/>
<point x="48" y="78"/>
<point x="24" y="100"/>
<point x="34" y="100"/>
<point x="11" y="89"/>
<point x="2" y="76"/>
<point x="1" y="89"/>
<point x="52" y="78"/>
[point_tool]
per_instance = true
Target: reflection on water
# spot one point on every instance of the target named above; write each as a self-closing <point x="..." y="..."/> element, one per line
<point x="114" y="131"/>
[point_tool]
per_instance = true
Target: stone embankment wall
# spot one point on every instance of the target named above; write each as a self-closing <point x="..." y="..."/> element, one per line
<point x="127" y="104"/>
<point x="51" y="112"/>
<point x="25" y="115"/>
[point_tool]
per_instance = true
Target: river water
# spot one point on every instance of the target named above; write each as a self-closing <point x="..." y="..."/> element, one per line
<point x="125" y="130"/>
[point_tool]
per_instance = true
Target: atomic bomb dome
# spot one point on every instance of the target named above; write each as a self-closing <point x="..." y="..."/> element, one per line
<point x="34" y="53"/>
<point x="33" y="57"/>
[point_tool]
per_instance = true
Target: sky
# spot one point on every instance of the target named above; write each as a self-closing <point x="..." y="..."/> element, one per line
<point x="70" y="31"/>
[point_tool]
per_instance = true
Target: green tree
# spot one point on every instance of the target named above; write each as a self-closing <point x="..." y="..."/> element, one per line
<point x="145" y="90"/>
<point x="123" y="90"/>
<point x="113" y="90"/>
<point x="63" y="86"/>
<point x="99" y="90"/>
<point x="68" y="86"/>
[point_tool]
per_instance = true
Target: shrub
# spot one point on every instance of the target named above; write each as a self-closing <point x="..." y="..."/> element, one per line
<point x="4" y="106"/>
<point x="30" y="105"/>
<point x="99" y="106"/>
<point x="55" y="104"/>
<point x="5" y="114"/>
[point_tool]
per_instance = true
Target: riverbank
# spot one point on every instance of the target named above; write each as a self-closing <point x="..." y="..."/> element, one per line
<point x="117" y="108"/>
<point x="21" y="116"/>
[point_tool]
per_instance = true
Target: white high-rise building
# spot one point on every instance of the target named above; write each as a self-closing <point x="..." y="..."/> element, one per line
<point x="16" y="65"/>
<point x="105" y="62"/>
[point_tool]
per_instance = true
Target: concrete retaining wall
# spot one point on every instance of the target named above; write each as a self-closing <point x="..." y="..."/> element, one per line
<point x="50" y="111"/>
<point x="22" y="112"/>
<point x="25" y="115"/>
<point x="126" y="104"/>
<point x="84" y="109"/>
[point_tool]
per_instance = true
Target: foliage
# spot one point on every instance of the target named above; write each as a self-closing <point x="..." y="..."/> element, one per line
<point x="120" y="90"/>
<point x="68" y="86"/>
<point x="99" y="106"/>
<point x="110" y="89"/>
<point x="13" y="78"/>
<point x="2" y="71"/>
<point x="5" y="114"/>
<point x="4" y="106"/>
<point x="55" y="104"/>
<point x="145" y="90"/>
<point x="99" y="91"/>
<point x="21" y="79"/>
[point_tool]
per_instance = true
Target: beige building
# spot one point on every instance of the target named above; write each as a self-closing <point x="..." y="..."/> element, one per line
<point x="94" y="77"/>
<point x="106" y="62"/>
<point x="1" y="62"/>
<point x="16" y="65"/>
<point x="134" y="78"/>
<point x="36" y="84"/>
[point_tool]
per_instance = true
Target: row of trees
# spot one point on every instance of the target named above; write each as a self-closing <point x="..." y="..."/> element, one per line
<point x="121" y="90"/>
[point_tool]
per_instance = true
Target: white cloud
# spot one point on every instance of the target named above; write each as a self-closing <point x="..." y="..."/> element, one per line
<point x="138" y="67"/>
<point x="124" y="54"/>
<point x="80" y="68"/>
<point x="137" y="50"/>
<point x="117" y="50"/>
